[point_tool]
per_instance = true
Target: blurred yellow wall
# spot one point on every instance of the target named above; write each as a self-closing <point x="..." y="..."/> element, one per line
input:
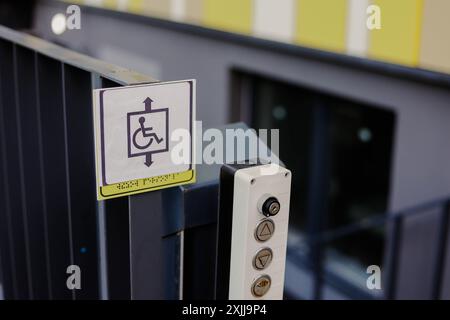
<point x="398" y="40"/>
<point x="321" y="24"/>
<point x="229" y="15"/>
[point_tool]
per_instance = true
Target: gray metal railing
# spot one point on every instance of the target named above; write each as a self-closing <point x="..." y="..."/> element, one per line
<point x="49" y="216"/>
<point x="394" y="223"/>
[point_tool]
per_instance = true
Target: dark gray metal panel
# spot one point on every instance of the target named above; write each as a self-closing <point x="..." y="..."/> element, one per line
<point x="445" y="284"/>
<point x="154" y="256"/>
<point x="418" y="242"/>
<point x="192" y="209"/>
<point x="14" y="201"/>
<point x="31" y="177"/>
<point x="54" y="167"/>
<point x="147" y="247"/>
<point x="199" y="260"/>
<point x="81" y="177"/>
<point x="441" y="252"/>
<point x="172" y="261"/>
<point x="48" y="210"/>
<point x="8" y="274"/>
<point x="118" y="250"/>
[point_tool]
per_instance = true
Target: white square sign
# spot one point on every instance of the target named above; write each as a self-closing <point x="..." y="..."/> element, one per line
<point x="133" y="135"/>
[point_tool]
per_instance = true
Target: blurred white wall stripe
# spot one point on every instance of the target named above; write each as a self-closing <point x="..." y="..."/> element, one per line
<point x="95" y="3"/>
<point x="357" y="33"/>
<point x="122" y="5"/>
<point x="178" y="9"/>
<point x="274" y="19"/>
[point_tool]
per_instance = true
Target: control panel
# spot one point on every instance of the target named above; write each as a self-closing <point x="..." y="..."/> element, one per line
<point x="254" y="211"/>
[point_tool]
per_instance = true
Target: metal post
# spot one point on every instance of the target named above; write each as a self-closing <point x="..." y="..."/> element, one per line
<point x="96" y="83"/>
<point x="394" y="258"/>
<point x="147" y="267"/>
<point x="441" y="250"/>
<point x="318" y="191"/>
<point x="12" y="183"/>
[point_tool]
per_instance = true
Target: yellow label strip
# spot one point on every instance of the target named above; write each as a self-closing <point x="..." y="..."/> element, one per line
<point x="144" y="185"/>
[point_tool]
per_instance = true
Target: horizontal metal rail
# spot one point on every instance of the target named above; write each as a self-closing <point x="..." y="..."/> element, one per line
<point x="377" y="221"/>
<point x="119" y="75"/>
<point x="396" y="222"/>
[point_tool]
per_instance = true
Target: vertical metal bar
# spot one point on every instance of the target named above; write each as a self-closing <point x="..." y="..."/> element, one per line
<point x="30" y="163"/>
<point x="394" y="256"/>
<point x="117" y="239"/>
<point x="102" y="251"/>
<point x="21" y="175"/>
<point x="66" y="168"/>
<point x="42" y="184"/>
<point x="318" y="185"/>
<point x="181" y="265"/>
<point x="441" y="250"/>
<point x="96" y="83"/>
<point x="1" y="271"/>
<point x="83" y="202"/>
<point x="54" y="169"/>
<point x="118" y="248"/>
<point x="12" y="171"/>
<point x="8" y="260"/>
<point x="147" y="268"/>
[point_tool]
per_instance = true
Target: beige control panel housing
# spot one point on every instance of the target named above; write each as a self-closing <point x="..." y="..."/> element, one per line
<point x="259" y="240"/>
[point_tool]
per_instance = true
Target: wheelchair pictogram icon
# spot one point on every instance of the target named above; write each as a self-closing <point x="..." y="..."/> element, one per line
<point x="147" y="132"/>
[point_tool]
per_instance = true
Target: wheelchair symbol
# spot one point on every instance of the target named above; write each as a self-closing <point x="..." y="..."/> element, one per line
<point x="146" y="133"/>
